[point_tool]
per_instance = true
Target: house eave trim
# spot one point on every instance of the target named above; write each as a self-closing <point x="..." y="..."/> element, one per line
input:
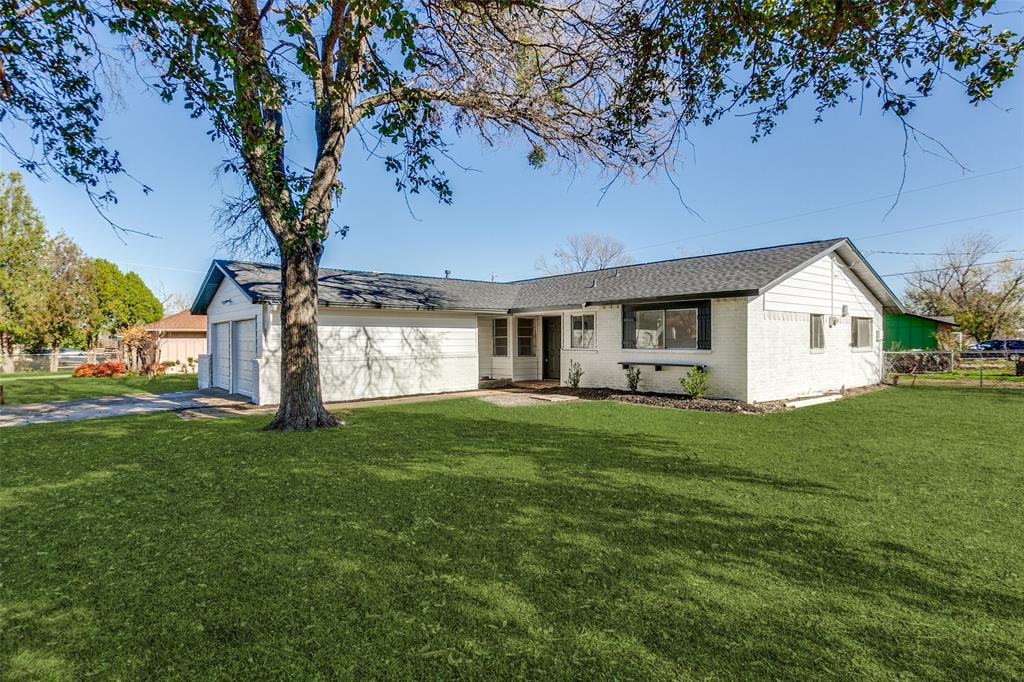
<point x="214" y="276"/>
<point x="381" y="306"/>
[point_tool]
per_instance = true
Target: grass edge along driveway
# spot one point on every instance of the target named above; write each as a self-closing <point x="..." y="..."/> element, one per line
<point x="875" y="537"/>
<point x="22" y="388"/>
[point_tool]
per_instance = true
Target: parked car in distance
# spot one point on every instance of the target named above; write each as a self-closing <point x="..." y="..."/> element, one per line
<point x="1010" y="348"/>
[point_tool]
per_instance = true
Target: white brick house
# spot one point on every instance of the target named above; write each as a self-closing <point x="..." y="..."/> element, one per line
<point x="767" y="324"/>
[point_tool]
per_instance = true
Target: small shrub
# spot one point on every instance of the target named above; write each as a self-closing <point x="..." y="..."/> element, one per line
<point x="85" y="370"/>
<point x="112" y="369"/>
<point x="695" y="383"/>
<point x="575" y="374"/>
<point x="103" y="369"/>
<point x="633" y="378"/>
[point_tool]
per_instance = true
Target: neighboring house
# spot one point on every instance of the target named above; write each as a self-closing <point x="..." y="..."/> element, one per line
<point x="910" y="331"/>
<point x="768" y="324"/>
<point x="180" y="336"/>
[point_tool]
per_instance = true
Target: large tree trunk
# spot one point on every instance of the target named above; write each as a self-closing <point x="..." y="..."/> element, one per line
<point x="55" y="356"/>
<point x="301" y="405"/>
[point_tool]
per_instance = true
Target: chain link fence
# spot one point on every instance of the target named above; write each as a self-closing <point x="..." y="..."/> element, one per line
<point x="983" y="368"/>
<point x="66" y="360"/>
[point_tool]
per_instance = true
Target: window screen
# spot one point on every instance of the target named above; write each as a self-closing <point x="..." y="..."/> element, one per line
<point x="582" y="331"/>
<point x="861" y="330"/>
<point x="500" y="338"/>
<point x="817" y="332"/>
<point x="524" y="334"/>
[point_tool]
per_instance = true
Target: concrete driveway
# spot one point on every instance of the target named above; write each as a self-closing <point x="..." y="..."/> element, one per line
<point x="117" y="406"/>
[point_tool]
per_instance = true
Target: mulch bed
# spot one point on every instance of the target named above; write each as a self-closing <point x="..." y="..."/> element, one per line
<point x="667" y="400"/>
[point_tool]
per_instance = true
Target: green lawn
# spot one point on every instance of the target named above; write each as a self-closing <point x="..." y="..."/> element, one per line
<point x="877" y="537"/>
<point x="37" y="387"/>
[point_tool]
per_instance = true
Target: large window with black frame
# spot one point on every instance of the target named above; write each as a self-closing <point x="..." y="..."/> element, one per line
<point x="677" y="325"/>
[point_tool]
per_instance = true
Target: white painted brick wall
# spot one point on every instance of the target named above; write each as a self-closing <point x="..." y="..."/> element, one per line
<point x="726" y="361"/>
<point x="781" y="363"/>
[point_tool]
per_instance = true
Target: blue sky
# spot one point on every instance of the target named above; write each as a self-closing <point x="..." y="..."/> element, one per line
<point x="506" y="214"/>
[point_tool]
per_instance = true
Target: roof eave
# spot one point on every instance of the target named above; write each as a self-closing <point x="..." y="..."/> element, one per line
<point x="214" y="276"/>
<point x="387" y="306"/>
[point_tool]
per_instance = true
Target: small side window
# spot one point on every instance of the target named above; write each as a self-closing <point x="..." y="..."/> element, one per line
<point x="817" y="332"/>
<point x="582" y="331"/>
<point x="500" y="338"/>
<point x="860" y="330"/>
<point x="524" y="337"/>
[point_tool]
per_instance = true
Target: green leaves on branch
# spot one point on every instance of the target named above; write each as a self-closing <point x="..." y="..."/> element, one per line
<point x="691" y="61"/>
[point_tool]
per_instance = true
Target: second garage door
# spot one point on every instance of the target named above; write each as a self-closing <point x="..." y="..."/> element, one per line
<point x="243" y="356"/>
<point x="222" y="355"/>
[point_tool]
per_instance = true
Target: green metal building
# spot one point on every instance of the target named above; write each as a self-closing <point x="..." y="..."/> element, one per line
<point x="914" y="332"/>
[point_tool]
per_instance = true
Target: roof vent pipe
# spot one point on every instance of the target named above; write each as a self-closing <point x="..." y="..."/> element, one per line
<point x="594" y="285"/>
<point x="447" y="274"/>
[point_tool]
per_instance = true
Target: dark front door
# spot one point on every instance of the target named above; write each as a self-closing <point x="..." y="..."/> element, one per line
<point x="552" y="347"/>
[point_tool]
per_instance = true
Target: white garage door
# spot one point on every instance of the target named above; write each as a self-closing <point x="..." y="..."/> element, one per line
<point x="243" y="355"/>
<point x="222" y="356"/>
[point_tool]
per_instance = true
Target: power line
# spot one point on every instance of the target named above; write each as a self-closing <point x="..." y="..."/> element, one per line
<point x="947" y="222"/>
<point x="936" y="253"/>
<point x="914" y="272"/>
<point x="859" y="202"/>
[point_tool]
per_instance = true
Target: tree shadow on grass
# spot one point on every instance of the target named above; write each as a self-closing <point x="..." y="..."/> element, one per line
<point x="442" y="543"/>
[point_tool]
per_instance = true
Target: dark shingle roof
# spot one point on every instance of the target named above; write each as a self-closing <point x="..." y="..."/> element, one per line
<point x="736" y="273"/>
<point x="354" y="288"/>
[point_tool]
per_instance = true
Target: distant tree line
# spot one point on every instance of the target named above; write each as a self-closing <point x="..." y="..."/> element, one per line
<point x="977" y="282"/>
<point x="52" y="295"/>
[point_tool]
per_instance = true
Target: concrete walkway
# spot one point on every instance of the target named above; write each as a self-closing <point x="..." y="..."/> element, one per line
<point x="118" y="406"/>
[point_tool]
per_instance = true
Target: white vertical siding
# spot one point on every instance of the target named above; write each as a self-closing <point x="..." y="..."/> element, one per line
<point x="781" y="363"/>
